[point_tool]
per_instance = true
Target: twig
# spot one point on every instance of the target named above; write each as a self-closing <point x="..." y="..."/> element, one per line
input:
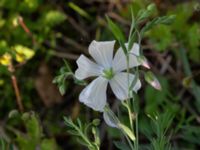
<point x="16" y="88"/>
<point x="166" y="65"/>
<point x="26" y="29"/>
<point x="163" y="62"/>
<point x="60" y="54"/>
<point x="77" y="26"/>
<point x="118" y="18"/>
<point x="17" y="93"/>
<point x="65" y="39"/>
<point x="65" y="55"/>
<point x="73" y="43"/>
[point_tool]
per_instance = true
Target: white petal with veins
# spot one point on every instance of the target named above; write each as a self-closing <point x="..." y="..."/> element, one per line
<point x="120" y="62"/>
<point x="94" y="95"/>
<point x="87" y="68"/>
<point x="102" y="52"/>
<point x="135" y="49"/>
<point x="119" y="85"/>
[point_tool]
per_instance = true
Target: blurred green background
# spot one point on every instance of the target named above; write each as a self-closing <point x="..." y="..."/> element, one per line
<point x="48" y="31"/>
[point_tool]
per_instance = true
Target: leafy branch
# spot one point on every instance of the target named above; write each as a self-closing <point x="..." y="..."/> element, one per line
<point x="81" y="132"/>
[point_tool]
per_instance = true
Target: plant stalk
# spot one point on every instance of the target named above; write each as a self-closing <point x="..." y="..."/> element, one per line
<point x="16" y="88"/>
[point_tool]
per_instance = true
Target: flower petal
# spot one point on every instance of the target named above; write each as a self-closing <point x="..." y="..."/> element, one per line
<point x="102" y="52"/>
<point x="87" y="68"/>
<point x="119" y="61"/>
<point x="94" y="95"/>
<point x="119" y="85"/>
<point x="135" y="49"/>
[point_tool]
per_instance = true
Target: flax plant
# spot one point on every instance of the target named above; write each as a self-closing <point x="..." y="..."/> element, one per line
<point x="121" y="71"/>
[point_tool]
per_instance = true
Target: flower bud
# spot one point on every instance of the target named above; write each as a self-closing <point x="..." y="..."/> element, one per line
<point x="96" y="122"/>
<point x="143" y="61"/>
<point x="152" y="80"/>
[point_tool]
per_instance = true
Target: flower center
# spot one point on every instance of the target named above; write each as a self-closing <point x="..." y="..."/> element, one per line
<point x="108" y="73"/>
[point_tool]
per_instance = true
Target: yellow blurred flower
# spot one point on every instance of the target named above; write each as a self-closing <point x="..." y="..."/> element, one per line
<point x="5" y="59"/>
<point x="23" y="53"/>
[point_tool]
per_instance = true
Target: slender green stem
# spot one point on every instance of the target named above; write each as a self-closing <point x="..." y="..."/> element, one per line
<point x="129" y="142"/>
<point x="128" y="100"/>
<point x="129" y="106"/>
<point x="117" y="122"/>
<point x="137" y="134"/>
<point x="136" y="128"/>
<point x="135" y="109"/>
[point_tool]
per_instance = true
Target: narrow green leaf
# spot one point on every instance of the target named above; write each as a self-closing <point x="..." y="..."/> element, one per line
<point x="73" y="132"/>
<point x="67" y="65"/>
<point x="133" y="24"/>
<point x="143" y="14"/>
<point x="115" y="29"/>
<point x="123" y="47"/>
<point x="82" y="142"/>
<point x="79" y="123"/>
<point x="149" y="25"/>
<point x="159" y="20"/>
<point x="79" y="10"/>
<point x="167" y="20"/>
<point x="68" y="122"/>
<point x="131" y="40"/>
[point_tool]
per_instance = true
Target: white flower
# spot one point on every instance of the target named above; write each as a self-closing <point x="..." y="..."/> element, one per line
<point x="108" y="70"/>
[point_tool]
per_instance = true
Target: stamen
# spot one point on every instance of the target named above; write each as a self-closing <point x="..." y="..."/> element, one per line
<point x="108" y="73"/>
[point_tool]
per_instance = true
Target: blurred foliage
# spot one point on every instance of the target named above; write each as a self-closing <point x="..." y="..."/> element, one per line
<point x="33" y="138"/>
<point x="183" y="31"/>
